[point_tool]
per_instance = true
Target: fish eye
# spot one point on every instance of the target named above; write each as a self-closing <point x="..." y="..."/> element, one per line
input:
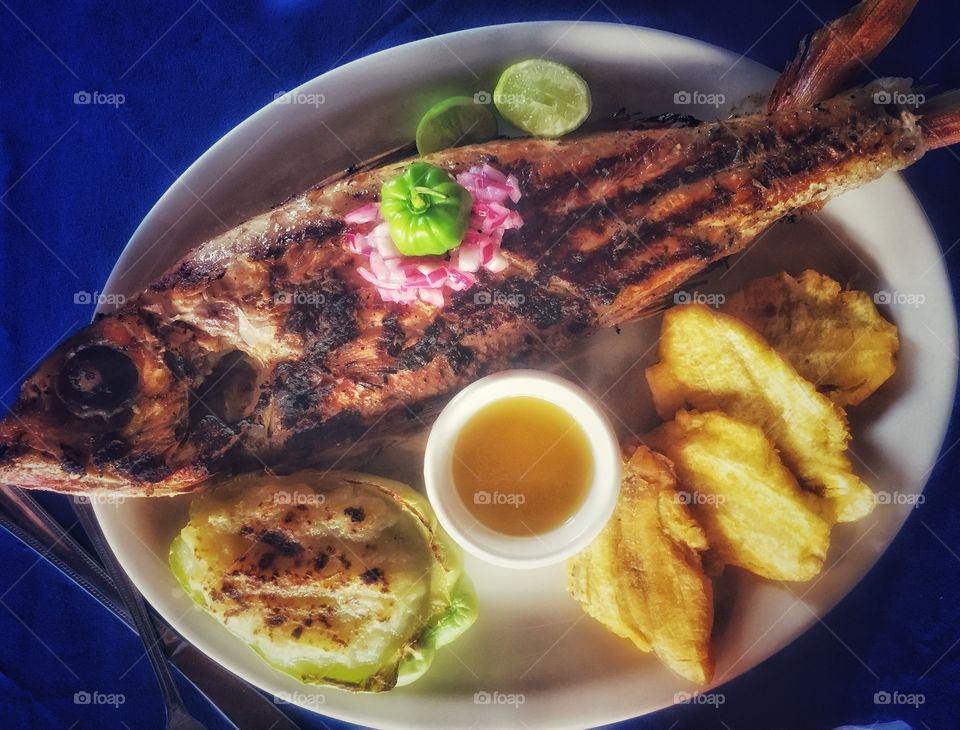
<point x="97" y="380"/>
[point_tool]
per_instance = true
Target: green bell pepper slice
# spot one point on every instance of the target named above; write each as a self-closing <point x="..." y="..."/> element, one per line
<point x="428" y="212"/>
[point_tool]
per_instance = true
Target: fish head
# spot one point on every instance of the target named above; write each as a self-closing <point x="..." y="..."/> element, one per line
<point x="101" y="411"/>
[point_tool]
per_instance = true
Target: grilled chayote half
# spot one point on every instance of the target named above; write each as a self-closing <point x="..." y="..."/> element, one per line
<point x="335" y="578"/>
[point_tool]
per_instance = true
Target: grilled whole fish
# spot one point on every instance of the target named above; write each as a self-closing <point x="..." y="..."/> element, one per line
<point x="264" y="347"/>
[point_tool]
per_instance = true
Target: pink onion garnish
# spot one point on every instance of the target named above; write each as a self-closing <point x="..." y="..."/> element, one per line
<point x="405" y="279"/>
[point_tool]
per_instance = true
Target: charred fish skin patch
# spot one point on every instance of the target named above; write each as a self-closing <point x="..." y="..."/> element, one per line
<point x="308" y="441"/>
<point x="393" y="336"/>
<point x="323" y="314"/>
<point x="315" y="232"/>
<point x="612" y="223"/>
<point x="439" y="338"/>
<point x="150" y="468"/>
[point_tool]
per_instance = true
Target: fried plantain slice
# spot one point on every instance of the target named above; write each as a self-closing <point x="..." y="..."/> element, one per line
<point x="754" y="512"/>
<point x="642" y="576"/>
<point x="712" y="361"/>
<point x="835" y="339"/>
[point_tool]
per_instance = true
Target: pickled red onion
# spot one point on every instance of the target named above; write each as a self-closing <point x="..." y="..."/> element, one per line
<point x="406" y="279"/>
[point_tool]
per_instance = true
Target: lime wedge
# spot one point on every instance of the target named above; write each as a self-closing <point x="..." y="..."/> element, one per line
<point x="544" y="98"/>
<point x="455" y="121"/>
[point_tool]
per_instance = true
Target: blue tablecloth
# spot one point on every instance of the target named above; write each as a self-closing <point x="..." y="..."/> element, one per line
<point x="75" y="183"/>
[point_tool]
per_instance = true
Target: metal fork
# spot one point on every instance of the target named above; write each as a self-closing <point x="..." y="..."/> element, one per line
<point x="28" y="521"/>
<point x="177" y="716"/>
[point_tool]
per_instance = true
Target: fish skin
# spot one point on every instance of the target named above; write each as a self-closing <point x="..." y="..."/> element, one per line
<point x="297" y="358"/>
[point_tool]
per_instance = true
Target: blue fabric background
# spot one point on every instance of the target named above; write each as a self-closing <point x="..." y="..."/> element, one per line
<point x="75" y="182"/>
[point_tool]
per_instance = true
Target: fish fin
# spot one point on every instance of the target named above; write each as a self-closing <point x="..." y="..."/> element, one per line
<point x="941" y="120"/>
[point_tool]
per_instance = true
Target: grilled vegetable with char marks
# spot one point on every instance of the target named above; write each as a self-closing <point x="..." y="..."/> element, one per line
<point x="338" y="578"/>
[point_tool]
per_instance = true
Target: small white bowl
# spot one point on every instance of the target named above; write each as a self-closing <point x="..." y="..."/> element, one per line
<point x="536" y="550"/>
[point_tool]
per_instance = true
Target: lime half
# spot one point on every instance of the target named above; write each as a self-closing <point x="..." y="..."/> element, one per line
<point x="453" y="122"/>
<point x="544" y="98"/>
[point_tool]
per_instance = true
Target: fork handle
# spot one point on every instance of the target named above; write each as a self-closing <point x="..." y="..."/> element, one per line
<point x="173" y="702"/>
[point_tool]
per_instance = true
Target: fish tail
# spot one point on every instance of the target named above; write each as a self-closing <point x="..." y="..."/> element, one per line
<point x="837" y="53"/>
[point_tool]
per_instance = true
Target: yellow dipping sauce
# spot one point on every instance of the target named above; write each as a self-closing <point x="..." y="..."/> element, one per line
<point x="522" y="465"/>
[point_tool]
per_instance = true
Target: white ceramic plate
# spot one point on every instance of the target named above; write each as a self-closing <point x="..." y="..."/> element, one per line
<point x="533" y="655"/>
